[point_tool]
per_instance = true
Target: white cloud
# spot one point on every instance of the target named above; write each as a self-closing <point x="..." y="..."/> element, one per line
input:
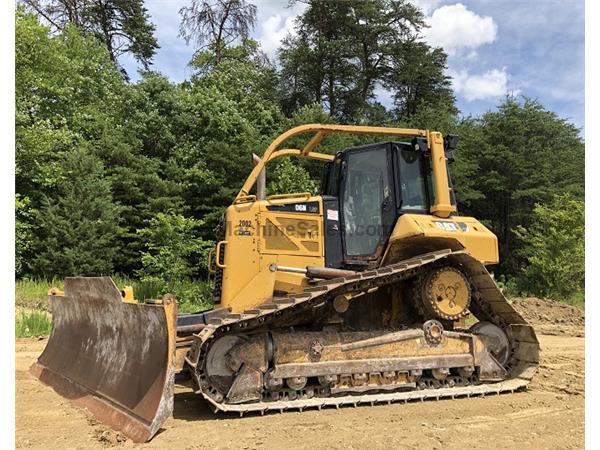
<point x="275" y="21"/>
<point x="273" y="30"/>
<point x="490" y="84"/>
<point x="460" y="32"/>
<point x="456" y="28"/>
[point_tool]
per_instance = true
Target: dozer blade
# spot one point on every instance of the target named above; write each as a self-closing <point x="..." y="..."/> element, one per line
<point x="113" y="358"/>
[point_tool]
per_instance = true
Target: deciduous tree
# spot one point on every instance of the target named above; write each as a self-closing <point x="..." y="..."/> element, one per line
<point x="342" y="51"/>
<point x="520" y="155"/>
<point x="217" y="24"/>
<point x="553" y="248"/>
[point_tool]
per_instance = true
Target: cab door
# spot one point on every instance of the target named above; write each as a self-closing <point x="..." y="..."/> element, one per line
<point x="367" y="202"/>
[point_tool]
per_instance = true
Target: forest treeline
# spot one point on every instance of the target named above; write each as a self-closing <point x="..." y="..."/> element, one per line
<point x="114" y="176"/>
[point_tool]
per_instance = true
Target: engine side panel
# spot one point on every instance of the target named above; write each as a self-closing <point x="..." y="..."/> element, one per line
<point x="283" y="231"/>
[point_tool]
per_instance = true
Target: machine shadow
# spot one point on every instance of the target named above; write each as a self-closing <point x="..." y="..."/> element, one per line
<point x="191" y="406"/>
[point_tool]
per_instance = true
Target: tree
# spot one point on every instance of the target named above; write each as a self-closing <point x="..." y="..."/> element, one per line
<point x="123" y="26"/>
<point x="553" y="247"/>
<point x="80" y="222"/>
<point x="217" y="24"/>
<point x="172" y="248"/>
<point x="418" y="81"/>
<point x="519" y="155"/>
<point x="383" y="30"/>
<point x="290" y="177"/>
<point x="23" y="234"/>
<point x="69" y="94"/>
<point x="343" y="51"/>
<point x="227" y="114"/>
<point x="316" y="64"/>
<point x="173" y="255"/>
<point x="61" y="82"/>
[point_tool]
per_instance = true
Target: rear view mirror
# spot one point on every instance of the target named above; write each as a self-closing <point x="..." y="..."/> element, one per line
<point x="450" y="143"/>
<point x="420" y="144"/>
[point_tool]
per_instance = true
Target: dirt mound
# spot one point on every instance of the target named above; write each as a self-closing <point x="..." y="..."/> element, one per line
<point x="551" y="317"/>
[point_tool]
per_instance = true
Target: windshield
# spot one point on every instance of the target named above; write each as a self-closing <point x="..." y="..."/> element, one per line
<point x="366" y="188"/>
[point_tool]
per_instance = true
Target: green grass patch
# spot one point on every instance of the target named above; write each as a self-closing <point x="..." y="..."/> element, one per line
<point x="33" y="324"/>
<point x="516" y="287"/>
<point x="191" y="296"/>
<point x="33" y="294"/>
<point x="577" y="300"/>
<point x="194" y="297"/>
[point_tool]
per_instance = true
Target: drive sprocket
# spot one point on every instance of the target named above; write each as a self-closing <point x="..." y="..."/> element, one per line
<point x="445" y="293"/>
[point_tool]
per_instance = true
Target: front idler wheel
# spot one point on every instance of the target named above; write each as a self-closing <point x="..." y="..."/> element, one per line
<point x="495" y="339"/>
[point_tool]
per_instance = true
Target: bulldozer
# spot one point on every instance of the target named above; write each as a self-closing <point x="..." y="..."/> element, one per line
<point x="374" y="291"/>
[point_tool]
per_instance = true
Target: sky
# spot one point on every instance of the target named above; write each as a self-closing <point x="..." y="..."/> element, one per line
<point x="529" y="47"/>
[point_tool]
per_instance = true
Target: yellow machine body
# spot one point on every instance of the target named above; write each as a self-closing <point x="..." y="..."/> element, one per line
<point x="257" y="237"/>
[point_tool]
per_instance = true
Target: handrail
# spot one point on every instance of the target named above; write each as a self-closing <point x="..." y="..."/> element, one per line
<point x="297" y="152"/>
<point x="306" y="195"/>
<point x="218" y="255"/>
<point x="321" y="131"/>
<point x="244" y="199"/>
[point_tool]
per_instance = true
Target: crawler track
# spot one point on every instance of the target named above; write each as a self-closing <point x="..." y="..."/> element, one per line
<point x="488" y="304"/>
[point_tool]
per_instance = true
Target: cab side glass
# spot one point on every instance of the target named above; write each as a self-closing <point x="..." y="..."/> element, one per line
<point x="413" y="190"/>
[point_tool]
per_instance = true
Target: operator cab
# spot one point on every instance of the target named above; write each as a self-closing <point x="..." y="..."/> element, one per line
<point x="365" y="189"/>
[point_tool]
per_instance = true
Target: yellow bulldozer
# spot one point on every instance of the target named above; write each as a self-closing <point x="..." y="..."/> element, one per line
<point x="375" y="291"/>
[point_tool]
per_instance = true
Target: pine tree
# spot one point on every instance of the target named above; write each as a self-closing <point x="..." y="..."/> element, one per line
<point x="343" y="51"/>
<point x="80" y="224"/>
<point x="519" y="156"/>
<point x="123" y="26"/>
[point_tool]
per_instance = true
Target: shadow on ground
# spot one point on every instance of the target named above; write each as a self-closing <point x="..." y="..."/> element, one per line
<point x="191" y="406"/>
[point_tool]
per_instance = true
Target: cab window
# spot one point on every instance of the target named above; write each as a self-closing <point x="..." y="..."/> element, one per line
<point x="412" y="182"/>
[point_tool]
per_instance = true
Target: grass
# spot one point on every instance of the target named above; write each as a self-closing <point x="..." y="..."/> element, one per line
<point x="191" y="296"/>
<point x="577" y="300"/>
<point x="33" y="307"/>
<point x="33" y="294"/>
<point x="33" y="324"/>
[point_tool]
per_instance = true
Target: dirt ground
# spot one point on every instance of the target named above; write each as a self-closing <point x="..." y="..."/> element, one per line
<point x="549" y="414"/>
<point x="550" y="317"/>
